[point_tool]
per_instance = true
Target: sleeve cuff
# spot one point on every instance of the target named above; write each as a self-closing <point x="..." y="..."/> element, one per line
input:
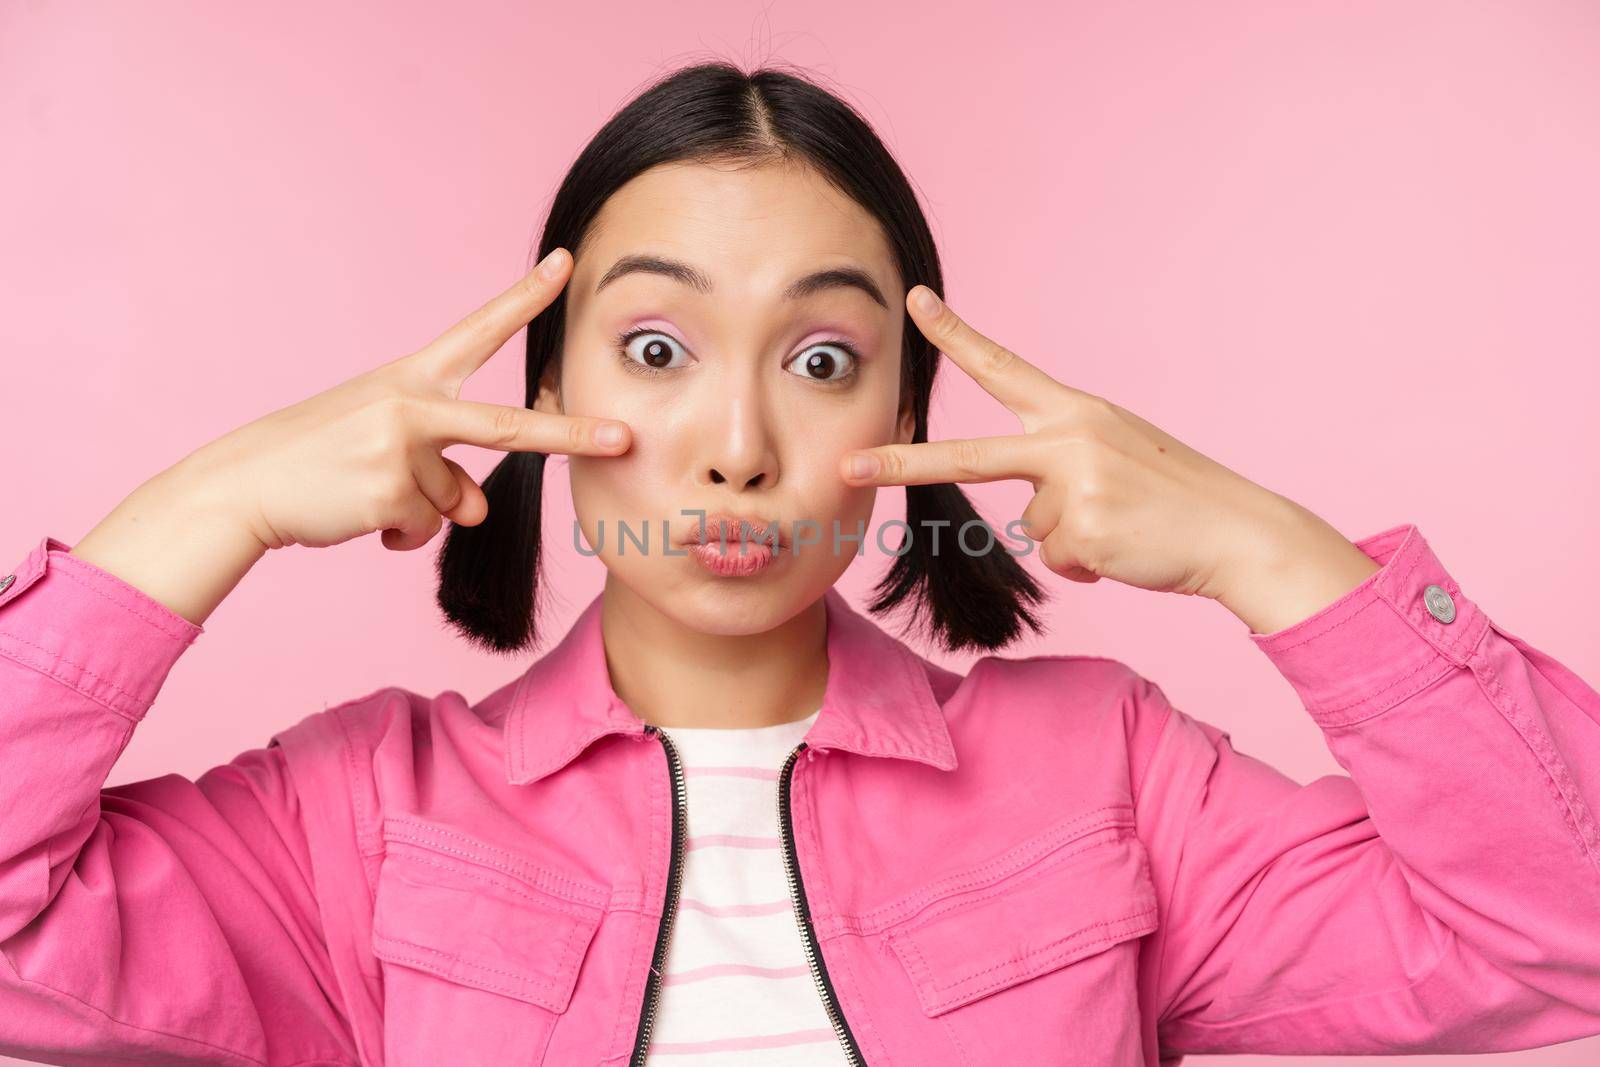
<point x="89" y="629"/>
<point x="1379" y="643"/>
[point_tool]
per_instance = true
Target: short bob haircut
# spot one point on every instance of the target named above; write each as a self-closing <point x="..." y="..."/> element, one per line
<point x="715" y="113"/>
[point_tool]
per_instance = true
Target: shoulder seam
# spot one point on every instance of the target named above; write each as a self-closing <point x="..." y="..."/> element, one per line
<point x="1142" y="762"/>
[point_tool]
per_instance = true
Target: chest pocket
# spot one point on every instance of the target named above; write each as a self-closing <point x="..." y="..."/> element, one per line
<point x="1041" y="965"/>
<point x="479" y="948"/>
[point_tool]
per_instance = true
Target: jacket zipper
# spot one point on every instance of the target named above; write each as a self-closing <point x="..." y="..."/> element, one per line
<point x="680" y="828"/>
<point x="797" y="894"/>
<point x="802" y="911"/>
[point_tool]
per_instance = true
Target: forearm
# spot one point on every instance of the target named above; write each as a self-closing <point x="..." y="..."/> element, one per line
<point x="177" y="539"/>
<point x="1441" y="898"/>
<point x="168" y="920"/>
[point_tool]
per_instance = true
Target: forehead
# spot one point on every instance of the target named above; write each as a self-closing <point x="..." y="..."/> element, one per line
<point x="750" y="228"/>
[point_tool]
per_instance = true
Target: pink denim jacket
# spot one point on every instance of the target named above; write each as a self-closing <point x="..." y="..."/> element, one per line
<point x="1039" y="862"/>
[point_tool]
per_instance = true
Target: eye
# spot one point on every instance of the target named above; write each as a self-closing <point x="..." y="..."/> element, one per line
<point x="819" y="364"/>
<point x="654" y="352"/>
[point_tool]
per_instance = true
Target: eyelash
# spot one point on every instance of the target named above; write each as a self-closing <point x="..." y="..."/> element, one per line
<point x="633" y="366"/>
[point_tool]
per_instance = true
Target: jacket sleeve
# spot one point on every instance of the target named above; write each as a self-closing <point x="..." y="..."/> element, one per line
<point x="169" y="920"/>
<point x="1442" y="897"/>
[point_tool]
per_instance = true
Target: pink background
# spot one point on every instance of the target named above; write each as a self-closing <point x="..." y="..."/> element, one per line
<point x="1350" y="250"/>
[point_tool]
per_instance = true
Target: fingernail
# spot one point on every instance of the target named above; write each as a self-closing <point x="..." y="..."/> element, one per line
<point x="926" y="302"/>
<point x="609" y="435"/>
<point x="863" y="466"/>
<point x="550" y="265"/>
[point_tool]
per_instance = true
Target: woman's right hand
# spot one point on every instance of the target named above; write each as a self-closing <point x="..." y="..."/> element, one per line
<point x="362" y="456"/>
<point x="366" y="454"/>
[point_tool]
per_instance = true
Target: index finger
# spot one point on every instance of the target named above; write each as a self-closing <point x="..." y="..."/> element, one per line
<point x="1004" y="375"/>
<point x="517" y="429"/>
<point x="981" y="459"/>
<point x="468" y="344"/>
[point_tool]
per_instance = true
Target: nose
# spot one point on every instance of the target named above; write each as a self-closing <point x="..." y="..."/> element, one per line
<point x="738" y="448"/>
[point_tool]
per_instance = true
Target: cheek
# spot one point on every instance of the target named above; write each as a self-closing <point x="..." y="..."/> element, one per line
<point x="637" y="487"/>
<point x="610" y="487"/>
<point x="614" y="487"/>
<point x="817" y="458"/>
<point x="830" y="436"/>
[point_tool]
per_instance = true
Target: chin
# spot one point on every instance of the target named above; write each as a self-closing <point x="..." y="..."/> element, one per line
<point x="731" y="607"/>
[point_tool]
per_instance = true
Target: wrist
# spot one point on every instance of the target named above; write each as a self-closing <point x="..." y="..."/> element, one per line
<point x="1293" y="565"/>
<point x="207" y="492"/>
<point x="175" y="539"/>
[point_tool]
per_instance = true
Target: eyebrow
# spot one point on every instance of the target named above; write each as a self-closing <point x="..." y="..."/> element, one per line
<point x="807" y="285"/>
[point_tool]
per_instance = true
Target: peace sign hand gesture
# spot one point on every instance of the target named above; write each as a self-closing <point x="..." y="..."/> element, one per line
<point x="1117" y="497"/>
<point x="365" y="455"/>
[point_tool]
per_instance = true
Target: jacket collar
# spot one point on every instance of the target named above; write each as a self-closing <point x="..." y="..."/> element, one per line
<point x="877" y="701"/>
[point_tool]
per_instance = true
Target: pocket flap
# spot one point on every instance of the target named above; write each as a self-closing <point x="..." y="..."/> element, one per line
<point x="1068" y="905"/>
<point x="479" y="928"/>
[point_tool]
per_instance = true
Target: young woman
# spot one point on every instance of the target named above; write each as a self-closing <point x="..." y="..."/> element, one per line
<point x="727" y="817"/>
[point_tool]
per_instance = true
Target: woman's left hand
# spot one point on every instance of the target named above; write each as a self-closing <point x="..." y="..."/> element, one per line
<point x="1117" y="497"/>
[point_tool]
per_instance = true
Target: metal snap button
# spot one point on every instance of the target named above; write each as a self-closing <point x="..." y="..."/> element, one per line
<point x="1440" y="605"/>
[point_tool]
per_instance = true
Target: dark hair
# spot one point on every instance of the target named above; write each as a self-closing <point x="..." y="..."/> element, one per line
<point x="489" y="574"/>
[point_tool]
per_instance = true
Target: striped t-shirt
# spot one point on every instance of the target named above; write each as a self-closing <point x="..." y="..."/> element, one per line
<point x="737" y="988"/>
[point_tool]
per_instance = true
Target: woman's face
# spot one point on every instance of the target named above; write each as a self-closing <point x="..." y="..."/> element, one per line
<point x="742" y="394"/>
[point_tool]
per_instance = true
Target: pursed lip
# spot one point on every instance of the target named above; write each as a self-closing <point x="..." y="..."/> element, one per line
<point x="733" y="528"/>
